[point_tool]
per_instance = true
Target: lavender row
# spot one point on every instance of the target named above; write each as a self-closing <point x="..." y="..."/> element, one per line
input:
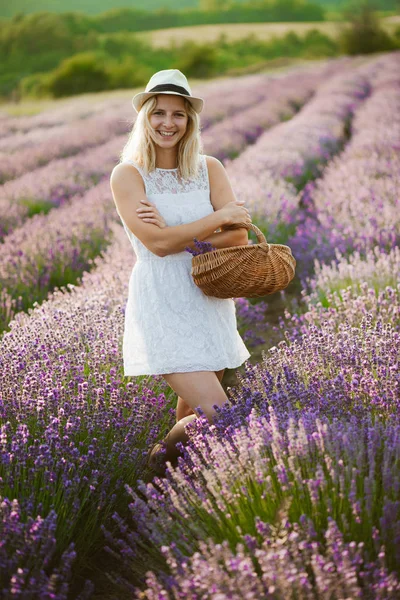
<point x="28" y="270"/>
<point x="44" y="130"/>
<point x="299" y="472"/>
<point x="264" y="384"/>
<point x="80" y="108"/>
<point x="66" y="140"/>
<point x="330" y="404"/>
<point x="333" y="565"/>
<point x="355" y="204"/>
<point x="33" y="262"/>
<point x="377" y="268"/>
<point x="283" y="97"/>
<point x="359" y="196"/>
<point x="308" y="507"/>
<point x="35" y="543"/>
<point x="268" y="173"/>
<point x="20" y="154"/>
<point x="61" y="378"/>
<point x="62" y="112"/>
<point x="361" y="294"/>
<point x="74" y="430"/>
<point x="54" y="183"/>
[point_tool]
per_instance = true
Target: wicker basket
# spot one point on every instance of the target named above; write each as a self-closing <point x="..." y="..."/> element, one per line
<point x="244" y="271"/>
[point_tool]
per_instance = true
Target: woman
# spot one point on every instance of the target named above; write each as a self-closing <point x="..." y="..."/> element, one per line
<point x="167" y="193"/>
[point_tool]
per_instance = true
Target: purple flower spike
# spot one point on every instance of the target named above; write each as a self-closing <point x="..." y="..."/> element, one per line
<point x="201" y="247"/>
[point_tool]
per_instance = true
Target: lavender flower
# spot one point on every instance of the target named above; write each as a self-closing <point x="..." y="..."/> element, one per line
<point x="201" y="247"/>
<point x="300" y="495"/>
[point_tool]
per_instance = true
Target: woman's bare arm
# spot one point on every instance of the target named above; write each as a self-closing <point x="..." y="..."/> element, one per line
<point x="227" y="238"/>
<point x="149" y="213"/>
<point x="221" y="193"/>
<point x="128" y="188"/>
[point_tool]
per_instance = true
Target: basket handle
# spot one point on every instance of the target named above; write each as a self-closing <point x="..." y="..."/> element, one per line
<point x="260" y="236"/>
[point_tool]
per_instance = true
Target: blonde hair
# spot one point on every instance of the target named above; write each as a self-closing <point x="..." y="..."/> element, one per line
<point x="140" y="147"/>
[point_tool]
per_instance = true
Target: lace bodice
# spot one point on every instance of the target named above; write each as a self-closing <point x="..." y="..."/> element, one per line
<point x="179" y="201"/>
<point x="168" y="181"/>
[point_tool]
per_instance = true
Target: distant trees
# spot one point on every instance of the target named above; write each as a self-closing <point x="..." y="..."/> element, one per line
<point x="81" y="73"/>
<point x="121" y="61"/>
<point x="214" y="4"/>
<point x="86" y="72"/>
<point x="199" y="60"/>
<point x="63" y="54"/>
<point x="364" y="34"/>
<point x="9" y="8"/>
<point x="233" y="11"/>
<point x="31" y="45"/>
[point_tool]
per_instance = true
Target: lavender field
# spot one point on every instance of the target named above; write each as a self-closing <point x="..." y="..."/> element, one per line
<point x="294" y="493"/>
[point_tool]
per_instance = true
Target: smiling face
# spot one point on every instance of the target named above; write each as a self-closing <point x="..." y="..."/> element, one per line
<point x="169" y="120"/>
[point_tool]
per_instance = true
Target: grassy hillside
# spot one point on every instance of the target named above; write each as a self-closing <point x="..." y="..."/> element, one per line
<point x="233" y="31"/>
<point x="38" y="43"/>
<point x="46" y="54"/>
<point x="90" y="7"/>
<point x="237" y="31"/>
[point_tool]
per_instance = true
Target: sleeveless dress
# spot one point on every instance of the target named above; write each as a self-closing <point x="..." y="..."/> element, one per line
<point x="170" y="325"/>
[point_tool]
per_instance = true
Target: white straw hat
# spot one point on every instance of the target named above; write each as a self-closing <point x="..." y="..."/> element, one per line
<point x="169" y="81"/>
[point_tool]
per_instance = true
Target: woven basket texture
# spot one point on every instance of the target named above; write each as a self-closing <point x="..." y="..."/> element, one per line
<point x="244" y="271"/>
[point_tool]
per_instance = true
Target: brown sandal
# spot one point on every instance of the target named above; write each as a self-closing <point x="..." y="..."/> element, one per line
<point x="156" y="458"/>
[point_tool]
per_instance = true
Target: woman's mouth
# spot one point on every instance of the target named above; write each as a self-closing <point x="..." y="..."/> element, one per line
<point x="166" y="134"/>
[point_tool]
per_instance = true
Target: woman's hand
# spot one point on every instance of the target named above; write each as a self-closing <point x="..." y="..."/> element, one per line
<point x="235" y="213"/>
<point x="149" y="213"/>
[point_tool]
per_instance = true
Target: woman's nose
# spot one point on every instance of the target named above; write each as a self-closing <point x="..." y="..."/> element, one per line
<point x="168" y="120"/>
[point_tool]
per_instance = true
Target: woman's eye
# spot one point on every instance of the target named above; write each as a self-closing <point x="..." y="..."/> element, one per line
<point x="158" y="112"/>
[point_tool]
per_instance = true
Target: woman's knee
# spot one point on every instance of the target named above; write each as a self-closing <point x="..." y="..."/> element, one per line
<point x="199" y="389"/>
<point x="182" y="409"/>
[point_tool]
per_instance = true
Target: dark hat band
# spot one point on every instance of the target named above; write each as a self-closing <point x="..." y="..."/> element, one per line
<point x="169" y="87"/>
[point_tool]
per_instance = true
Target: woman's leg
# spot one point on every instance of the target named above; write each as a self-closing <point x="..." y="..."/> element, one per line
<point x="200" y="389"/>
<point x="183" y="409"/>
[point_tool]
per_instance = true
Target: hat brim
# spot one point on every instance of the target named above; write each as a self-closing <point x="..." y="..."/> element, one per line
<point x="139" y="99"/>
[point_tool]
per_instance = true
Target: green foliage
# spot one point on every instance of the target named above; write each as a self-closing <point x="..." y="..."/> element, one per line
<point x="317" y="44"/>
<point x="32" y="44"/>
<point x="85" y="72"/>
<point x="35" y="86"/>
<point x="179" y="9"/>
<point x="225" y="11"/>
<point x="198" y="60"/>
<point x="364" y="34"/>
<point x="127" y="73"/>
<point x="57" y="55"/>
<point x="41" y="32"/>
<point x="251" y="50"/>
<point x="121" y="60"/>
<point x="214" y="4"/>
<point x="37" y="206"/>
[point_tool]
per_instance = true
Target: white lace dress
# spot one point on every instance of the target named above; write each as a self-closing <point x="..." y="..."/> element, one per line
<point x="170" y="325"/>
